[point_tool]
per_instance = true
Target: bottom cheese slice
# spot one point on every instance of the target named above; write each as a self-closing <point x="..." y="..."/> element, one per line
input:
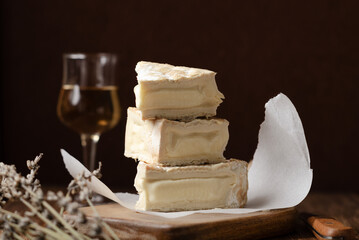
<point x="166" y="189"/>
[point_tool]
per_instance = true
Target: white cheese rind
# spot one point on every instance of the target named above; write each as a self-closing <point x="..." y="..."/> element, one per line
<point x="166" y="91"/>
<point x="174" y="143"/>
<point x="221" y="185"/>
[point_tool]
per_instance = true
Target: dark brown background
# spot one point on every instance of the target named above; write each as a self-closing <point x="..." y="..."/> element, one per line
<point x="308" y="50"/>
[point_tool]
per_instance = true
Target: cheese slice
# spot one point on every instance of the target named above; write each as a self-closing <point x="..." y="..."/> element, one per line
<point x="182" y="93"/>
<point x="165" y="189"/>
<point x="172" y="143"/>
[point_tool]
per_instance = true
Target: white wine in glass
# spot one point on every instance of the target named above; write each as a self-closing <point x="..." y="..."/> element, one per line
<point x="88" y="101"/>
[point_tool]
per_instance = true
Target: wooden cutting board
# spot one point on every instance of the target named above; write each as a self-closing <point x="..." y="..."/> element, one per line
<point x="130" y="224"/>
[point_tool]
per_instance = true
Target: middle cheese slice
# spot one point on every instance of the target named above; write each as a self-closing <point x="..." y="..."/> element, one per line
<point x="173" y="143"/>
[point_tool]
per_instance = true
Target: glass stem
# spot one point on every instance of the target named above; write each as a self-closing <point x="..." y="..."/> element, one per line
<point x="89" y="143"/>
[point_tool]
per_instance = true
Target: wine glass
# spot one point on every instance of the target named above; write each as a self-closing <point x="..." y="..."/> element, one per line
<point x="88" y="101"/>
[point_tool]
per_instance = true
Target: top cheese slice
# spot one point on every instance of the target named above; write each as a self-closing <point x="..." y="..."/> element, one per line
<point x="177" y="93"/>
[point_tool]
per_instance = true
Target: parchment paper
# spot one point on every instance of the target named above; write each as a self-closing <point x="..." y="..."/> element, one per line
<point x="280" y="175"/>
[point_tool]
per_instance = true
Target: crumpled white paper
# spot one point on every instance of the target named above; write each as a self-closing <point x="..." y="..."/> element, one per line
<point x="280" y="175"/>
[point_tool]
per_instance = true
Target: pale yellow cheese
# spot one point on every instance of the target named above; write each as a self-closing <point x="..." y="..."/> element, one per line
<point x="172" y="143"/>
<point x="166" y="91"/>
<point x="221" y="185"/>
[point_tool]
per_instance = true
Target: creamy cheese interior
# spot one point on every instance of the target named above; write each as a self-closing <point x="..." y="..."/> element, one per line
<point x="134" y="139"/>
<point x="205" y="95"/>
<point x="193" y="189"/>
<point x="194" y="144"/>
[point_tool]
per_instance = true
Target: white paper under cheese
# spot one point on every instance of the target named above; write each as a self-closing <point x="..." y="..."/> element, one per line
<point x="280" y="175"/>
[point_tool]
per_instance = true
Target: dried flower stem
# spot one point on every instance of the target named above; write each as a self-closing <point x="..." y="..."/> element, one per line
<point x="33" y="224"/>
<point x="19" y="230"/>
<point x="17" y="236"/>
<point x="62" y="209"/>
<point x="14" y="226"/>
<point x="28" y="236"/>
<point x="108" y="228"/>
<point x="58" y="216"/>
<point x="45" y="220"/>
<point x="28" y="191"/>
<point x="62" y="221"/>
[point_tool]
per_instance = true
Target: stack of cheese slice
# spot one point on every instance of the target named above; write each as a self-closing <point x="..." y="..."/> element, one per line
<point x="181" y="157"/>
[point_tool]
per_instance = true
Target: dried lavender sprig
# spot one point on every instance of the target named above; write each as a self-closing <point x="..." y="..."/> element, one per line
<point x="29" y="188"/>
<point x="29" y="233"/>
<point x="45" y="220"/>
<point x="13" y="184"/>
<point x="62" y="221"/>
<point x="108" y="228"/>
<point x="32" y="225"/>
<point x="79" y="186"/>
<point x="57" y="216"/>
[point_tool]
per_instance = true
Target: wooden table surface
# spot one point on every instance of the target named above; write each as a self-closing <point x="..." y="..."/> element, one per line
<point x="342" y="206"/>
